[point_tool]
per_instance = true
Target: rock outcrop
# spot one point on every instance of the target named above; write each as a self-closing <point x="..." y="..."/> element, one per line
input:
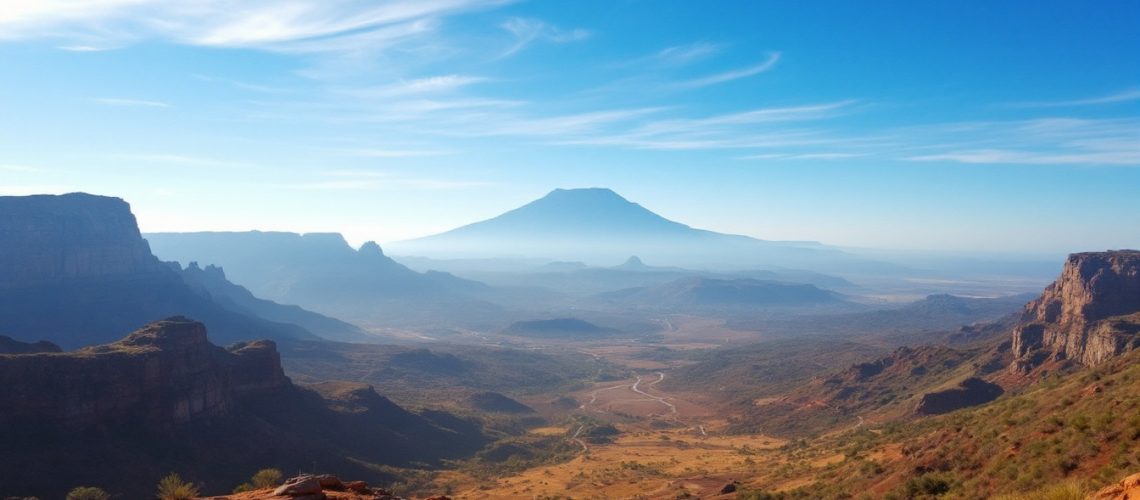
<point x="1090" y="314"/>
<point x="161" y="376"/>
<point x="316" y="487"/>
<point x="1127" y="489"/>
<point x="970" y="392"/>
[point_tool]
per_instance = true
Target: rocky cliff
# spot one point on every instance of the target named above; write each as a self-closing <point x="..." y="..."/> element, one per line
<point x="52" y="238"/>
<point x="1090" y="314"/>
<point x="122" y="415"/>
<point x="163" y="375"/>
<point x="74" y="270"/>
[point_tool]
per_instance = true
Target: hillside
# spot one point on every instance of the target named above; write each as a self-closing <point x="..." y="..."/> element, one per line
<point x="165" y="399"/>
<point x="689" y="294"/>
<point x="563" y="328"/>
<point x="211" y="282"/>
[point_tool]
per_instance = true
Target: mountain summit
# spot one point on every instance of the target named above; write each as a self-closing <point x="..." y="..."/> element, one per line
<point x="600" y="225"/>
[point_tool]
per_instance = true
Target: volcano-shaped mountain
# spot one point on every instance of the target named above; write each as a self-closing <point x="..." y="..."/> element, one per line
<point x="597" y="224"/>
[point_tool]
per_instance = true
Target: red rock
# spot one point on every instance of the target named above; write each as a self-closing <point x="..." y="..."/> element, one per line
<point x="1084" y="316"/>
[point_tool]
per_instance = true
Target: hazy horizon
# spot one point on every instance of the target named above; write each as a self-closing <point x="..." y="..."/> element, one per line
<point x="967" y="127"/>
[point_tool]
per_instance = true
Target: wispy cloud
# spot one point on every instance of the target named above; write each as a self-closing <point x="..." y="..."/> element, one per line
<point x="134" y="103"/>
<point x="999" y="156"/>
<point x="1128" y="95"/>
<point x="527" y="31"/>
<point x="253" y="87"/>
<point x="86" y="48"/>
<point x="189" y="161"/>
<point x="426" y="85"/>
<point x="803" y="156"/>
<point x="685" y="54"/>
<point x="735" y="74"/>
<point x="755" y="128"/>
<point x="1042" y="141"/>
<point x="324" y="25"/>
<point x="393" y="153"/>
<point x="371" y="180"/>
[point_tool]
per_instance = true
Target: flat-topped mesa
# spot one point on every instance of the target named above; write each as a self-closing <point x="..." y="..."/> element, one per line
<point x="164" y="375"/>
<point x="1090" y="314"/>
<point x="73" y="236"/>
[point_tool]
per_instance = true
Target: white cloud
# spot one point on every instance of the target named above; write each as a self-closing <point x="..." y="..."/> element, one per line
<point x="997" y="156"/>
<point x="190" y="161"/>
<point x="302" y="26"/>
<point x="426" y="85"/>
<point x="1128" y="95"/>
<point x="527" y="31"/>
<point x="685" y="54"/>
<point x="735" y="74"/>
<point x="393" y="153"/>
<point x="134" y="103"/>
<point x="1041" y="141"/>
<point x="371" y="180"/>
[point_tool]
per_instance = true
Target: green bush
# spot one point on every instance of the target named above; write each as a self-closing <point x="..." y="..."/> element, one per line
<point x="88" y="493"/>
<point x="172" y="487"/>
<point x="266" y="478"/>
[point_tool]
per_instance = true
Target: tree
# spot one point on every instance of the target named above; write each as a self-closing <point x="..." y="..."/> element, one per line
<point x="88" y="493"/>
<point x="172" y="487"/>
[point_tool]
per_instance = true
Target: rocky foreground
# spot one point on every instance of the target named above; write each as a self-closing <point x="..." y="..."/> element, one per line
<point x="317" y="487"/>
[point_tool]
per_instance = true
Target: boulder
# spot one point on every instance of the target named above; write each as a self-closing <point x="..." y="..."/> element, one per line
<point x="299" y="486"/>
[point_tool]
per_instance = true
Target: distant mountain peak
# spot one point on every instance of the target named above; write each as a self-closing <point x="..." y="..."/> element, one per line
<point x="371" y="248"/>
<point x="633" y="263"/>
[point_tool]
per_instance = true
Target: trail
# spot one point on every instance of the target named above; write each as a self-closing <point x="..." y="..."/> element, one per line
<point x="594" y="396"/>
<point x="574" y="438"/>
<point x="661" y="376"/>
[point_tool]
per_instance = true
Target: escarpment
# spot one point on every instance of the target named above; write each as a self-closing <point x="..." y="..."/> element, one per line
<point x="158" y="377"/>
<point x="1090" y="314"/>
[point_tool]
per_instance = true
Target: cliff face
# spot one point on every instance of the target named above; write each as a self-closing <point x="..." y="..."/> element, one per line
<point x="51" y="238"/>
<point x="75" y="270"/>
<point x="1090" y="314"/>
<point x="158" y="377"/>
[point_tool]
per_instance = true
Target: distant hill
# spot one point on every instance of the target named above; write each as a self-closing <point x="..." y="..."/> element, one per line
<point x="74" y="270"/>
<point x="497" y="403"/>
<point x="696" y="292"/>
<point x="598" y="225"/>
<point x="569" y="328"/>
<point x="211" y="281"/>
<point x="321" y="272"/>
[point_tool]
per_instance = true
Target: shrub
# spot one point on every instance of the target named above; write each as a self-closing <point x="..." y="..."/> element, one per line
<point x="88" y="493"/>
<point x="172" y="487"/>
<point x="266" y="478"/>
<point x="243" y="487"/>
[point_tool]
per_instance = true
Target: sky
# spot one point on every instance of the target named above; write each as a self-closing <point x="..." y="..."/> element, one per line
<point x="960" y="126"/>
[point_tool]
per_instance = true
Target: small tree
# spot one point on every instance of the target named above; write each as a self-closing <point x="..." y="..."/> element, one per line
<point x="266" y="478"/>
<point x="172" y="487"/>
<point x="88" y="493"/>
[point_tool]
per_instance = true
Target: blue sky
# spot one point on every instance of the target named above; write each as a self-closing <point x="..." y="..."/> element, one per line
<point x="981" y="126"/>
